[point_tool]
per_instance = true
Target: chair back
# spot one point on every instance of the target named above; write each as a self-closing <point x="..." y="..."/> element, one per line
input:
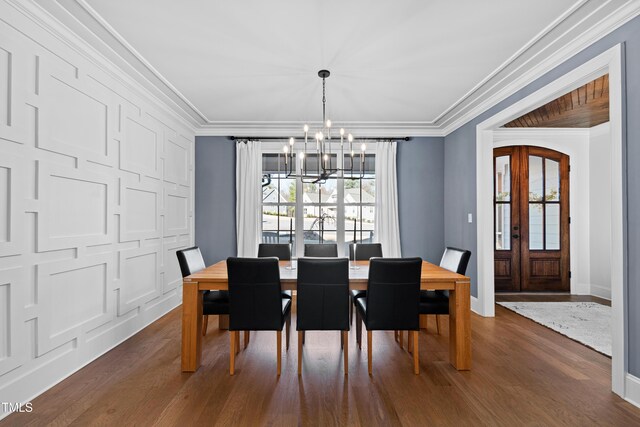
<point x="255" y="299"/>
<point x="190" y="260"/>
<point x="328" y="250"/>
<point x="455" y="260"/>
<point x="280" y="250"/>
<point x="323" y="294"/>
<point x="365" y="251"/>
<point x="393" y="294"/>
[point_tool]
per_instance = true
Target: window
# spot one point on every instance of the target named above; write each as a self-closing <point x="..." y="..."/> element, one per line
<point x="337" y="211"/>
<point x="278" y="201"/>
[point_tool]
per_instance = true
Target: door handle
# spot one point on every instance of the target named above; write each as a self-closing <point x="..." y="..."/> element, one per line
<point x="516" y="236"/>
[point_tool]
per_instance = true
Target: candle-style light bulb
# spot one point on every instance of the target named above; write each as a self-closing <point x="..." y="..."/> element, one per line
<point x="285" y="149"/>
<point x="320" y="136"/>
<point x="352" y="153"/>
<point x="350" y="138"/>
<point x="306" y="128"/>
<point x="329" y="123"/>
<point x="341" y="131"/>
<point x="291" y="141"/>
<point x="302" y="155"/>
<point x="363" y="147"/>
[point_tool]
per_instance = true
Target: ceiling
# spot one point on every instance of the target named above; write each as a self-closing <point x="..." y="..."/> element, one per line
<point x="251" y="66"/>
<point x="583" y="107"/>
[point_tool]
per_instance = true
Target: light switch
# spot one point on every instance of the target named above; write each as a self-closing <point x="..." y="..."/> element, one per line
<point x="470" y="218"/>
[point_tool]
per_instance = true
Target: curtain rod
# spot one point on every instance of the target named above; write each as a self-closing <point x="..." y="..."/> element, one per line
<point x="286" y="138"/>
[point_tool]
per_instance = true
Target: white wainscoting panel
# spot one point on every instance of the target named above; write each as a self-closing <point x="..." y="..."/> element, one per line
<point x="96" y="196"/>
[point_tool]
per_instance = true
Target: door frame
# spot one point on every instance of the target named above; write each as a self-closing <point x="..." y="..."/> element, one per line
<point x="610" y="62"/>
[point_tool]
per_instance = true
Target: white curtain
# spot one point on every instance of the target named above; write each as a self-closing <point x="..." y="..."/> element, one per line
<point x="387" y="223"/>
<point x="248" y="197"/>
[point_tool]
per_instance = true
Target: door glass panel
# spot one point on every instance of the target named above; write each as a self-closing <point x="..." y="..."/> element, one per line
<point x="552" y="226"/>
<point x="503" y="226"/>
<point x="551" y="180"/>
<point x="503" y="179"/>
<point x="535" y="226"/>
<point x="535" y="178"/>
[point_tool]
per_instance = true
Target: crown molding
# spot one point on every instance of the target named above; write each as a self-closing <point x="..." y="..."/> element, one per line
<point x="362" y="129"/>
<point x="586" y="22"/>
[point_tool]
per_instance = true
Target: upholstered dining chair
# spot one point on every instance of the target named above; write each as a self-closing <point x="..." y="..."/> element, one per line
<point x="280" y="250"/>
<point x="437" y="302"/>
<point x="213" y="302"/>
<point x="323" y="300"/>
<point x="392" y="302"/>
<point x="325" y="250"/>
<point x="362" y="252"/>
<point x="256" y="302"/>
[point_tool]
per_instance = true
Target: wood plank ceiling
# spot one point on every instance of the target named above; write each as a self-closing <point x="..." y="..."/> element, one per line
<point x="583" y="107"/>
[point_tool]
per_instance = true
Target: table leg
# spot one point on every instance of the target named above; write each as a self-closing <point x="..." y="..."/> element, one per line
<point x="191" y="326"/>
<point x="223" y="321"/>
<point x="460" y="326"/>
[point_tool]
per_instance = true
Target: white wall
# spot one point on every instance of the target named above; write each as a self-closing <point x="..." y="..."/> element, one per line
<point x="95" y="197"/>
<point x="600" y="210"/>
<point x="574" y="143"/>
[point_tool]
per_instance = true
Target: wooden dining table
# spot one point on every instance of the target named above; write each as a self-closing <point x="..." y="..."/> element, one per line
<point x="433" y="277"/>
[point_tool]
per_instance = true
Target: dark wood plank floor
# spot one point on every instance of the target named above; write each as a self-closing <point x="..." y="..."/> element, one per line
<point x="523" y="374"/>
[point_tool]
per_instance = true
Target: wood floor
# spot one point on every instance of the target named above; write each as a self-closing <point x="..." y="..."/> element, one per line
<point x="523" y="374"/>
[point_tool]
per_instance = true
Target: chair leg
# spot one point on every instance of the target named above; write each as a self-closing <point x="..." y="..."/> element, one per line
<point x="237" y="341"/>
<point x="300" y="335"/>
<point x="401" y="339"/>
<point x="409" y="341"/>
<point x="341" y="342"/>
<point x="438" y="323"/>
<point x="246" y="339"/>
<point x="279" y="353"/>
<point x="369" y="352"/>
<point x="205" y="324"/>
<point x="304" y="337"/>
<point x="416" y="365"/>
<point x="288" y="331"/>
<point x="359" y="330"/>
<point x="395" y="335"/>
<point x="232" y="353"/>
<point x="351" y="308"/>
<point x="345" y="350"/>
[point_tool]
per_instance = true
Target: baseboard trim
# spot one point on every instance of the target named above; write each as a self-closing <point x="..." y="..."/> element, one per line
<point x="475" y="305"/>
<point x="632" y="389"/>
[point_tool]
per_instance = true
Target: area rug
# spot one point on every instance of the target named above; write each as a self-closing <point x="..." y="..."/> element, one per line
<point x="589" y="323"/>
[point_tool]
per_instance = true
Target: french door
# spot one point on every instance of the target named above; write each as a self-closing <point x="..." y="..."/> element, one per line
<point x="531" y="219"/>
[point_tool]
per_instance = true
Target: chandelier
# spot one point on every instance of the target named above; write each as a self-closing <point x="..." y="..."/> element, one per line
<point x="322" y="166"/>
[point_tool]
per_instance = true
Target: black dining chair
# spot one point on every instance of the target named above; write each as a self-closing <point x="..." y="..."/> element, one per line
<point x="437" y="302"/>
<point x="213" y="302"/>
<point x="325" y="250"/>
<point x="280" y="250"/>
<point x="256" y="302"/>
<point x="392" y="301"/>
<point x="362" y="252"/>
<point x="323" y="300"/>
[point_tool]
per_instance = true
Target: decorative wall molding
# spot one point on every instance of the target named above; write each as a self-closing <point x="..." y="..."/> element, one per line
<point x="90" y="166"/>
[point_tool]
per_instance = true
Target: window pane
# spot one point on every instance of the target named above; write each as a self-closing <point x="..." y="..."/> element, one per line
<point x="535" y="226"/>
<point x="310" y="162"/>
<point x="277" y="224"/>
<point x="320" y="224"/>
<point x="551" y="180"/>
<point x="552" y="222"/>
<point x="359" y="191"/>
<point x="503" y="226"/>
<point x="535" y="178"/>
<point x="503" y="179"/>
<point x="359" y="223"/>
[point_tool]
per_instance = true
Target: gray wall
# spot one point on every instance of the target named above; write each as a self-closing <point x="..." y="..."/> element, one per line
<point x="420" y="197"/>
<point x="460" y="171"/>
<point x="420" y="165"/>
<point x="215" y="197"/>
